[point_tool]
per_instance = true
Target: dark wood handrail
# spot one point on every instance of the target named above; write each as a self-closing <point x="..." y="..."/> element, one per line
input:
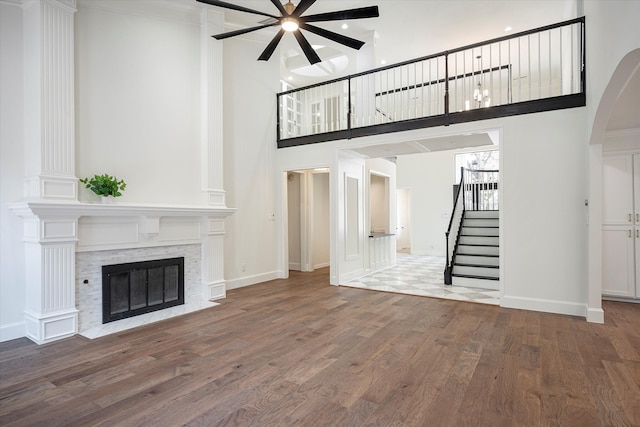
<point x="443" y="53"/>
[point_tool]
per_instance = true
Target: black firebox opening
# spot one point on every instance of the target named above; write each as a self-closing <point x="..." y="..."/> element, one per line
<point x="136" y="288"/>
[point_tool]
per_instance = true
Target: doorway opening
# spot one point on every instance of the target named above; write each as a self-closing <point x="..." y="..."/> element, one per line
<point x="308" y="219"/>
<point x="403" y="227"/>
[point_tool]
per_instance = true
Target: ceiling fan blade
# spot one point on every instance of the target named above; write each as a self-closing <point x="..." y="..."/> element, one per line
<point x="338" y="38"/>
<point x="236" y="7"/>
<point x="243" y="31"/>
<point x="360" y="13"/>
<point x="302" y="7"/>
<point x="271" y="47"/>
<point x="280" y="7"/>
<point x="311" y="54"/>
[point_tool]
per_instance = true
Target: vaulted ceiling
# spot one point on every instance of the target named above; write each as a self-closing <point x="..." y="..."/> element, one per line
<point x="406" y="29"/>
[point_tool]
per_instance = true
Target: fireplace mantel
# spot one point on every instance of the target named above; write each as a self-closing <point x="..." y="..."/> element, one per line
<point x="55" y="231"/>
<point x="78" y="209"/>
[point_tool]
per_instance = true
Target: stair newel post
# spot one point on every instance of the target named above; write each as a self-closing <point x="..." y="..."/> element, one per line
<point x="447" y="268"/>
<point x="463" y="187"/>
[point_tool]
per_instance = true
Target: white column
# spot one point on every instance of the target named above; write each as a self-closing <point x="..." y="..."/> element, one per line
<point x="212" y="22"/>
<point x="49" y="143"/>
<point x="595" y="313"/>
<point x="49" y="100"/>
<point x="50" y="307"/>
<point x="214" y="285"/>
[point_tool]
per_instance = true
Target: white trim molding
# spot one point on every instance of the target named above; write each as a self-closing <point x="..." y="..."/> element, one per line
<point x="544" y="305"/>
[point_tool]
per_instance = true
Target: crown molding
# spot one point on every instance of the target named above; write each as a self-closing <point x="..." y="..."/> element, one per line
<point x="622" y="133"/>
<point x="172" y="10"/>
<point x="17" y="3"/>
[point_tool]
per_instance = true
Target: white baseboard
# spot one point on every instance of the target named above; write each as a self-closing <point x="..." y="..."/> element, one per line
<point x="547" y="306"/>
<point x="295" y="266"/>
<point x="321" y="265"/>
<point x="12" y="331"/>
<point x="241" y="282"/>
<point x="595" y="315"/>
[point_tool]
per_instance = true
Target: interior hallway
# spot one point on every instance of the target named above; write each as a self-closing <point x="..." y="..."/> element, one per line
<point x="423" y="276"/>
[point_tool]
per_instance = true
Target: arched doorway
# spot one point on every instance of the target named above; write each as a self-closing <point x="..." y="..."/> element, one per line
<point x="608" y="110"/>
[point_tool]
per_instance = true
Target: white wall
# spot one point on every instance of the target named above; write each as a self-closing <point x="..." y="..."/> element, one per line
<point x="321" y="220"/>
<point x="12" y="172"/>
<point x="543" y="214"/>
<point x="138" y="103"/>
<point x="249" y="172"/>
<point x="430" y="178"/>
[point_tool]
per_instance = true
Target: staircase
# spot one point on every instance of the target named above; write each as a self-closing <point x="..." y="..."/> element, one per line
<point x="476" y="260"/>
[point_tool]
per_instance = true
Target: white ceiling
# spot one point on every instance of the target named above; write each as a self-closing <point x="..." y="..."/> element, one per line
<point x="453" y="142"/>
<point x="408" y="29"/>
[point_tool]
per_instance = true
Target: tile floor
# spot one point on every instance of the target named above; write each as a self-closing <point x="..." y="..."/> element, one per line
<point x="423" y="276"/>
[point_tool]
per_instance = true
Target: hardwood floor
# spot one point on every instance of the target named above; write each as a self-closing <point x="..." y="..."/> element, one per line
<point x="299" y="352"/>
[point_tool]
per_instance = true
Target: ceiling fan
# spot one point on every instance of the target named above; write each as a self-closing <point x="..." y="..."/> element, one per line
<point x="290" y="20"/>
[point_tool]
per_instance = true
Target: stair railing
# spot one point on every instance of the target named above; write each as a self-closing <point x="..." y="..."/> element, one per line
<point x="454" y="229"/>
<point x="481" y="189"/>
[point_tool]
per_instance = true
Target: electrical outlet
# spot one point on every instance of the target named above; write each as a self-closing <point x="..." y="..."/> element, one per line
<point x="243" y="267"/>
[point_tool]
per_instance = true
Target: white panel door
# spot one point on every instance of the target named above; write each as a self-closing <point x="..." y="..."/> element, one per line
<point x="618" y="272"/>
<point x="617" y="176"/>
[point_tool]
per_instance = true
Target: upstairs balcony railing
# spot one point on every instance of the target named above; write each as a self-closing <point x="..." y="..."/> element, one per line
<point x="537" y="70"/>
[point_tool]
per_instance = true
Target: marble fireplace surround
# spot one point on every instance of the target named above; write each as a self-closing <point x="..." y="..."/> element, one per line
<point x="66" y="244"/>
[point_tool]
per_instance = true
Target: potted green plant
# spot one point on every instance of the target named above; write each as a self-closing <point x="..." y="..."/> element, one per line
<point x="105" y="185"/>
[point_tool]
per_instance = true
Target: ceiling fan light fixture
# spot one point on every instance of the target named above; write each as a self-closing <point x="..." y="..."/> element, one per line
<point x="290" y="20"/>
<point x="289" y="24"/>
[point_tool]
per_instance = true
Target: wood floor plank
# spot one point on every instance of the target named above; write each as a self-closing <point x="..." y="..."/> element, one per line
<point x="301" y="352"/>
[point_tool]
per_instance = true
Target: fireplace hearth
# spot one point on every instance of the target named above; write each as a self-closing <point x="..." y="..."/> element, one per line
<point x="136" y="288"/>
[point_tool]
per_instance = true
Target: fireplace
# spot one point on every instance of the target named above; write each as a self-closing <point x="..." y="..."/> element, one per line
<point x="135" y="288"/>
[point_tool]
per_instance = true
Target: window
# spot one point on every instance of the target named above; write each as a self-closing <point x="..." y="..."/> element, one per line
<point x="479" y="160"/>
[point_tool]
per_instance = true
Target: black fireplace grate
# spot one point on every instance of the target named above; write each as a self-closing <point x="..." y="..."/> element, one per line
<point x="135" y="288"/>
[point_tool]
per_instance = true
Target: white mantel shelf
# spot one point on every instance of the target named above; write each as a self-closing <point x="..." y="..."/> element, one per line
<point x="80" y="209"/>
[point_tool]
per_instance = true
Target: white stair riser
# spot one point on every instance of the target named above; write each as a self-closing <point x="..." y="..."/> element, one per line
<point x="478" y="260"/>
<point x="478" y="240"/>
<point x="480" y="231"/>
<point x="478" y="250"/>
<point x="476" y="271"/>
<point x="481" y="214"/>
<point x="485" y="222"/>
<point x="468" y="282"/>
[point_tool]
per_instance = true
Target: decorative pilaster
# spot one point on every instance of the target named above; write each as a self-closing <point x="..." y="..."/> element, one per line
<point x="213" y="283"/>
<point x="212" y="22"/>
<point x="48" y="34"/>
<point x="49" y="100"/>
<point x="50" y="308"/>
